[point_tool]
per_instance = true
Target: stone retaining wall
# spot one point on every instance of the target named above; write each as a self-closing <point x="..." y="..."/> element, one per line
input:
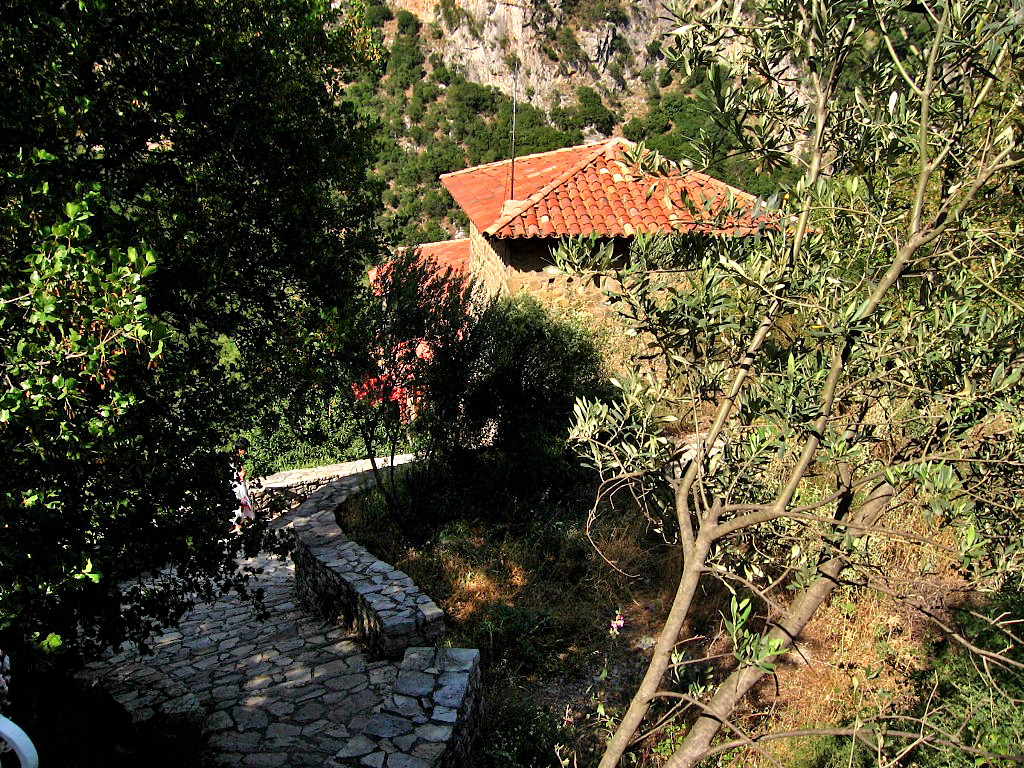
<point x="429" y="719"/>
<point x="337" y="578"/>
<point x="432" y="715"/>
<point x="286" y="490"/>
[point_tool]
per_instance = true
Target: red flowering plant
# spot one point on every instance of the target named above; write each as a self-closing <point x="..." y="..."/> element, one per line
<point x="416" y="316"/>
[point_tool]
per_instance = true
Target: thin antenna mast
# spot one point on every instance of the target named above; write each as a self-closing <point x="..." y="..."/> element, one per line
<point x="515" y="100"/>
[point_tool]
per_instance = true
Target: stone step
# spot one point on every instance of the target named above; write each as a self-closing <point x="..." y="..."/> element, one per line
<point x="428" y="720"/>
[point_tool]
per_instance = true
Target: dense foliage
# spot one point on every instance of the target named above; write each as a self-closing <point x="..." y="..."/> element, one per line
<point x="846" y="385"/>
<point x="481" y="390"/>
<point x="498" y="419"/>
<point x="184" y="210"/>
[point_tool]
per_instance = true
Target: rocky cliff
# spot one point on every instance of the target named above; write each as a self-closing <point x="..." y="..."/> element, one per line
<point x="545" y="50"/>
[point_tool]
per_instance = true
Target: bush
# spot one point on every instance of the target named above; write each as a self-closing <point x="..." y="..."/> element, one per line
<point x="523" y="736"/>
<point x="408" y="24"/>
<point x="405" y="66"/>
<point x="496" y="415"/>
<point x="593" y="111"/>
<point x="377" y="15"/>
<point x="986" y="712"/>
<point x="451" y="14"/>
<point x="311" y="428"/>
<point x="957" y="701"/>
<point x="570" y="46"/>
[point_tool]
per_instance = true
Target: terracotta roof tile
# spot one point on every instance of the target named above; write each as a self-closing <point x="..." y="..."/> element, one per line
<point x="448" y="254"/>
<point x="591" y="189"/>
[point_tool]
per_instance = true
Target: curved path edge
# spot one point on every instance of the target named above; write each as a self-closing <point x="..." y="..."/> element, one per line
<point x="292" y="689"/>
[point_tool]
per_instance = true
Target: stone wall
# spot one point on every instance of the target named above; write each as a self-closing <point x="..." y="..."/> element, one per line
<point x="487" y="262"/>
<point x="431" y="717"/>
<point x="503" y="266"/>
<point x="286" y="490"/>
<point x="337" y="578"/>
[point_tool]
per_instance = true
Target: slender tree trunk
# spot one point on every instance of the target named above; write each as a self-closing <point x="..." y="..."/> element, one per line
<point x="740" y="682"/>
<point x="692" y="566"/>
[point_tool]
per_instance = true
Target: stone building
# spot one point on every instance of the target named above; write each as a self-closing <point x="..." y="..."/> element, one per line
<point x="519" y="209"/>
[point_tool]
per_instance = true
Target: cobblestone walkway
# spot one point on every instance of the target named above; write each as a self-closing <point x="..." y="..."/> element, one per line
<point x="285" y="691"/>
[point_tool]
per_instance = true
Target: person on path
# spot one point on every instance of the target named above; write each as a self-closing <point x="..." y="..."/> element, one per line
<point x="240" y="485"/>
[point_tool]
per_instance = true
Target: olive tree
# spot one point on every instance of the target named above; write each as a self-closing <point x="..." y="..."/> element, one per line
<point x="850" y="376"/>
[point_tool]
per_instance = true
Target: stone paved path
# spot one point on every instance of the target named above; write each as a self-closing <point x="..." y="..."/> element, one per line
<point x="285" y="691"/>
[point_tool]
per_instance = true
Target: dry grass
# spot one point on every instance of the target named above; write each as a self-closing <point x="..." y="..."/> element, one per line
<point x="537" y="600"/>
<point x="859" y="652"/>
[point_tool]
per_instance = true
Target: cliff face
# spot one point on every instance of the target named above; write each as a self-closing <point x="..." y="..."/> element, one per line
<point x="555" y="52"/>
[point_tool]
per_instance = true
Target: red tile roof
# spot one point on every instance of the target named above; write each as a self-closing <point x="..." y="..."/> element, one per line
<point x="445" y="255"/>
<point x="448" y="254"/>
<point x="592" y="189"/>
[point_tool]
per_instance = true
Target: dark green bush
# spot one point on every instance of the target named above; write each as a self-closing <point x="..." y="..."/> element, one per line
<point x="570" y="46"/>
<point x="405" y="66"/>
<point x="408" y="24"/>
<point x="496" y="414"/>
<point x="521" y="736"/>
<point x="984" y="707"/>
<point x="377" y="15"/>
<point x="311" y="428"/>
<point x="593" y="111"/>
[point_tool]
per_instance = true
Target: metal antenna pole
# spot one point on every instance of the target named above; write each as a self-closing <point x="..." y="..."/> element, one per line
<point x="515" y="98"/>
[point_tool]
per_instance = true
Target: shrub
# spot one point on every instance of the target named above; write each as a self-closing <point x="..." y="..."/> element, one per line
<point x="496" y="414"/>
<point x="310" y="428"/>
<point x="593" y="111"/>
<point x="408" y="24"/>
<point x="377" y="15"/>
<point x="405" y="66"/>
<point x="986" y="712"/>
<point x="523" y="736"/>
<point x="570" y="46"/>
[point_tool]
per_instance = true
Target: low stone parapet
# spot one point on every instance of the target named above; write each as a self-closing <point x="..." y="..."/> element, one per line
<point x="286" y="490"/>
<point x="429" y="719"/>
<point x="337" y="578"/>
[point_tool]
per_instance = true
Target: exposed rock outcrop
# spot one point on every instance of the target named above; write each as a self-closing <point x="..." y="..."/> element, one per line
<point x="488" y="39"/>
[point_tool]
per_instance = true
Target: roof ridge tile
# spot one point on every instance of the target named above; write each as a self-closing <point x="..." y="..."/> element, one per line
<point x="584" y="161"/>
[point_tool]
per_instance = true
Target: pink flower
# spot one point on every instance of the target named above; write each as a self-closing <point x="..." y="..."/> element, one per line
<point x="616" y="624"/>
<point x="425" y="350"/>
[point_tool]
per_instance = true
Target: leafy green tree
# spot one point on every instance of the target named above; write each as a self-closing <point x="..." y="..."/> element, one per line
<point x="593" y="112"/>
<point x="405" y="65"/>
<point x="479" y="390"/>
<point x="850" y="376"/>
<point x="184" y="213"/>
<point x="504" y="397"/>
<point x="377" y="15"/>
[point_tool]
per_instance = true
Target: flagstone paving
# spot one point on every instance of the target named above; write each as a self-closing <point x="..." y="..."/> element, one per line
<point x="287" y="690"/>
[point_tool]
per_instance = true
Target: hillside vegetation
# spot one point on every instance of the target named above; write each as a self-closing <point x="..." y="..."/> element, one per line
<point x="433" y="120"/>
